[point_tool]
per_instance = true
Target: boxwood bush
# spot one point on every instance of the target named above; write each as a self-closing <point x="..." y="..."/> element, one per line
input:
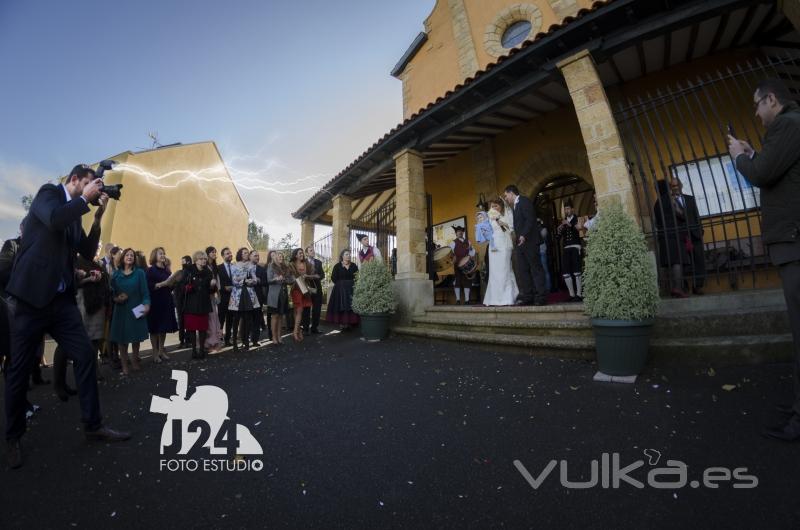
<point x="619" y="279"/>
<point x="374" y="290"/>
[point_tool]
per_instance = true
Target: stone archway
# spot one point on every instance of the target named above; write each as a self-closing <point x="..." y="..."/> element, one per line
<point x="542" y="167"/>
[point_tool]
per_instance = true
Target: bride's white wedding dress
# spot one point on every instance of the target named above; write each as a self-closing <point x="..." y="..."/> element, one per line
<point x="502" y="287"/>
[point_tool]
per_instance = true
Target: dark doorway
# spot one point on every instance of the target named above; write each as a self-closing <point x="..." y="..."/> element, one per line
<point x="549" y="207"/>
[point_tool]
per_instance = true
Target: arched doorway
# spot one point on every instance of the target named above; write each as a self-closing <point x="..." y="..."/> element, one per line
<point x="549" y="177"/>
<point x="549" y="201"/>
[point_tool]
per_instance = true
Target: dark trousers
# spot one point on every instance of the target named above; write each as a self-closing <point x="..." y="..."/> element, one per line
<point x="225" y="318"/>
<point x="62" y="320"/>
<point x="530" y="274"/>
<point x="698" y="268"/>
<point x="311" y="314"/>
<point x="256" y="325"/>
<point x="790" y="276"/>
<point x="240" y="324"/>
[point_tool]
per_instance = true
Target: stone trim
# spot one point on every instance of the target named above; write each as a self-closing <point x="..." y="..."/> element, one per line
<point x="541" y="167"/>
<point x="492" y="41"/>
<point x="467" y="57"/>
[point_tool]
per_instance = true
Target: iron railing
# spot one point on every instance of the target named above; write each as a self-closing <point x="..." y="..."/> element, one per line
<point x="679" y="133"/>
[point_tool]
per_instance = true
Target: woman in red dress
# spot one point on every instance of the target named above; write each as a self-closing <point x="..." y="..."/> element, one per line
<point x="299" y="268"/>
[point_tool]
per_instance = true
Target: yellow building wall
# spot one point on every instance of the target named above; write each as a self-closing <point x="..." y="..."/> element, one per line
<point x="175" y="211"/>
<point x="435" y="68"/>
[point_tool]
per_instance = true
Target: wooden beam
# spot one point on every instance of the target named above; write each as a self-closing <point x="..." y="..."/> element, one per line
<point x="692" y="42"/>
<point x="723" y="23"/>
<point x="615" y="67"/>
<point x="746" y="21"/>
<point x="642" y="58"/>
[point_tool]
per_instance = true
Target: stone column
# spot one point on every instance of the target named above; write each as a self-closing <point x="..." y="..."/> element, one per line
<point x="604" y="149"/>
<point x="791" y="9"/>
<point x="413" y="288"/>
<point x="342" y="212"/>
<point x="306" y="233"/>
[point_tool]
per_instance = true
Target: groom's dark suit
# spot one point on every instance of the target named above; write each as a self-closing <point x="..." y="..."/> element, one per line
<point x="530" y="274"/>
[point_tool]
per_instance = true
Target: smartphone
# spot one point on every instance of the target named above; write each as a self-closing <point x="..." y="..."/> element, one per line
<point x="730" y="130"/>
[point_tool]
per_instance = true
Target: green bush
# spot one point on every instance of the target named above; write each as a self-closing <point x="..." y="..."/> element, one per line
<point x="374" y="292"/>
<point x="619" y="279"/>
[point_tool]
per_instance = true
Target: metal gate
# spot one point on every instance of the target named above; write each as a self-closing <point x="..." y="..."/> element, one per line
<point x="677" y="134"/>
<point x="379" y="226"/>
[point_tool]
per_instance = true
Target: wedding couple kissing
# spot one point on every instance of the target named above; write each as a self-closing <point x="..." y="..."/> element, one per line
<point x="510" y="227"/>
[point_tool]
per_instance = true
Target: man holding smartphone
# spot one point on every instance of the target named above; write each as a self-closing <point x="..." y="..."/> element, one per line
<point x="776" y="171"/>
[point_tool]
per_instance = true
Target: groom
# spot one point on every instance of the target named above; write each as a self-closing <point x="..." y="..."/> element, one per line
<point x="530" y="274"/>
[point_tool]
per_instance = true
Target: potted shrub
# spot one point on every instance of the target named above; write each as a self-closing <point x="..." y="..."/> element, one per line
<point x="620" y="292"/>
<point x="373" y="299"/>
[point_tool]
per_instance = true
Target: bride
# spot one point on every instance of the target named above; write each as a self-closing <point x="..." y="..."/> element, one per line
<point x="502" y="286"/>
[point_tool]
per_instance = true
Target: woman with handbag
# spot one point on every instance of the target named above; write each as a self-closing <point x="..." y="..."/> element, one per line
<point x="301" y="296"/>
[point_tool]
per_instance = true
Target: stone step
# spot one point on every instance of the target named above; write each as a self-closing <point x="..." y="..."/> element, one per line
<point x="752" y="321"/>
<point x="717" y="350"/>
<point x="479" y="313"/>
<point x="551" y="346"/>
<point x="528" y="326"/>
<point x="721" y="350"/>
<point x="747" y="299"/>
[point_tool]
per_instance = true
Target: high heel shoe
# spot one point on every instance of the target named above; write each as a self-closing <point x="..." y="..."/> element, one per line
<point x="135" y="360"/>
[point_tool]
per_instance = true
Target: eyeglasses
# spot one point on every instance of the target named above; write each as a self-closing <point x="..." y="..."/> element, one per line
<point x="758" y="101"/>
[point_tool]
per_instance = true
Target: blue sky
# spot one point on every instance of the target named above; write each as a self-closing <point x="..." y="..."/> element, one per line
<point x="298" y="89"/>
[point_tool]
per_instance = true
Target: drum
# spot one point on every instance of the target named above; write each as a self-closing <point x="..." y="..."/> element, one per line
<point x="443" y="259"/>
<point x="468" y="265"/>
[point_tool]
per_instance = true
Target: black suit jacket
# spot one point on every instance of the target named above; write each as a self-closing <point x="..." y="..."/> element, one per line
<point x="52" y="235"/>
<point x="776" y="170"/>
<point x="525" y="223"/>
<point x="224" y="281"/>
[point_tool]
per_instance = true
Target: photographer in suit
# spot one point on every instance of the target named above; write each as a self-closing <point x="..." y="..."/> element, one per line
<point x="530" y="274"/>
<point x="42" y="290"/>
<point x="776" y="171"/>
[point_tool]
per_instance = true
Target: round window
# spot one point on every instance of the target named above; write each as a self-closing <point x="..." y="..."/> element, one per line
<point x="516" y="33"/>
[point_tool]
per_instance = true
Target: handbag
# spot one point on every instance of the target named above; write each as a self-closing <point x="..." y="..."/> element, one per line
<point x="301" y="284"/>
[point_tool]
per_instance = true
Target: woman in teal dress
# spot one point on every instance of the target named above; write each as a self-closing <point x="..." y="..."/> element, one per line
<point x="129" y="284"/>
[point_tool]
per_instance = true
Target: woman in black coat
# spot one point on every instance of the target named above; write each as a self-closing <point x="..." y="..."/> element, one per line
<point x="340" y="307"/>
<point x="198" y="285"/>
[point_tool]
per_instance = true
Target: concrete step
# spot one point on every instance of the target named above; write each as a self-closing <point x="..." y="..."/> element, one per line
<point x="723" y="322"/>
<point x="721" y="350"/>
<point x="551" y="346"/>
<point x="717" y="350"/>
<point x="528" y="326"/>
<point x="748" y="299"/>
<point x="479" y="313"/>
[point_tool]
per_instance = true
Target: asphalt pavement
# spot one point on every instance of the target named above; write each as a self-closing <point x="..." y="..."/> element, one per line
<point x="412" y="433"/>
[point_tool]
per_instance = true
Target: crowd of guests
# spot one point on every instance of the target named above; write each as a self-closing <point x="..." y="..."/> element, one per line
<point x="126" y="298"/>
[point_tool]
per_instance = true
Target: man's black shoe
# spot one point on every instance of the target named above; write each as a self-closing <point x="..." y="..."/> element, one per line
<point x="784" y="409"/>
<point x="106" y="434"/>
<point x="14" y="453"/>
<point x="315" y="331"/>
<point x="40" y="381"/>
<point x="788" y="432"/>
<point x="227" y="343"/>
